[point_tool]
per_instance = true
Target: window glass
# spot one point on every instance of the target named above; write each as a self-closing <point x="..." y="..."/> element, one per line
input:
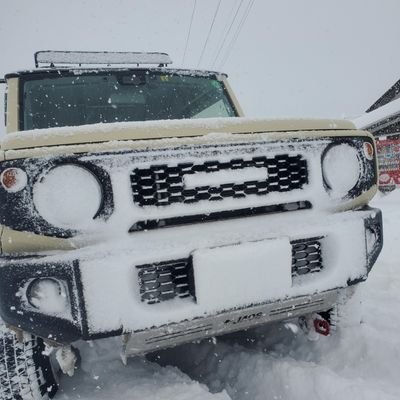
<point x="121" y="96"/>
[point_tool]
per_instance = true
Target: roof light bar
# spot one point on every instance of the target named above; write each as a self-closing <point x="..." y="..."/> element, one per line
<point x="60" y="58"/>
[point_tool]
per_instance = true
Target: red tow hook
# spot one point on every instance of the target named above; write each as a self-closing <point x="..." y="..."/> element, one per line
<point x="322" y="326"/>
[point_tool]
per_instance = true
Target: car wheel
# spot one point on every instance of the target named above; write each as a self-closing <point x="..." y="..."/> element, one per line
<point x="25" y="372"/>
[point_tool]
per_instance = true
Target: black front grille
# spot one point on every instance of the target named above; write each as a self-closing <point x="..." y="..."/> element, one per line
<point x="174" y="278"/>
<point x="306" y="256"/>
<point x="162" y="185"/>
<point x="165" y="280"/>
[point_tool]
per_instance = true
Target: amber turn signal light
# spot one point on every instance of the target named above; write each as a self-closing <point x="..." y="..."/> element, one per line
<point x="369" y="150"/>
<point x="13" y="179"/>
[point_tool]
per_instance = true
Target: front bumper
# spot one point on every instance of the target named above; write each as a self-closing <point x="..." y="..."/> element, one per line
<point x="104" y="290"/>
<point x="142" y="342"/>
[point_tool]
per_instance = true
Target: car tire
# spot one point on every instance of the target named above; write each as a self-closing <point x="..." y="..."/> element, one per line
<point x="25" y="372"/>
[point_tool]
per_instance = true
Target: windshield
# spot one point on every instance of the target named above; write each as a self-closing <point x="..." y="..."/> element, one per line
<point x="121" y="96"/>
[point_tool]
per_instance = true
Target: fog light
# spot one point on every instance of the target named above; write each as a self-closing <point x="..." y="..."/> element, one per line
<point x="13" y="179"/>
<point x="48" y="295"/>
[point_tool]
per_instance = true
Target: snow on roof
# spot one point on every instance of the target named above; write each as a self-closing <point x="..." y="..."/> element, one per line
<point x="381" y="113"/>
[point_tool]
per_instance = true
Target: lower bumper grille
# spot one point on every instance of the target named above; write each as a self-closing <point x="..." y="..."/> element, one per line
<point x="169" y="279"/>
<point x="306" y="256"/>
<point x="166" y="280"/>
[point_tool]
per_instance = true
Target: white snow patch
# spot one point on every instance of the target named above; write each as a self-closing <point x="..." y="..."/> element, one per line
<point x="253" y="270"/>
<point x="221" y="177"/>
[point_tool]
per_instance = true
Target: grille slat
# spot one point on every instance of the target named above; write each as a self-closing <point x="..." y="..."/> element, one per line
<point x="162" y="185"/>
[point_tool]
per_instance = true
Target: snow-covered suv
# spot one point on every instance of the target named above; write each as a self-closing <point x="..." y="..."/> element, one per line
<point x="136" y="201"/>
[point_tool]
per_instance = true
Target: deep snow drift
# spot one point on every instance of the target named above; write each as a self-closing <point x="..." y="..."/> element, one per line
<point x="272" y="362"/>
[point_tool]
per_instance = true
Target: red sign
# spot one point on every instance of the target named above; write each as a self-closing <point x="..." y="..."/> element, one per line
<point x="389" y="161"/>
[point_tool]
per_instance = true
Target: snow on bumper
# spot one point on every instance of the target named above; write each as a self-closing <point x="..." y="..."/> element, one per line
<point x="211" y="272"/>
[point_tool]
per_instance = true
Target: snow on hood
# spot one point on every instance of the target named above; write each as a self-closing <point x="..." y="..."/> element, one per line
<point x="105" y="132"/>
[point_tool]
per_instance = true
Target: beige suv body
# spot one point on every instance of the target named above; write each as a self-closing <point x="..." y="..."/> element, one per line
<point x="174" y="229"/>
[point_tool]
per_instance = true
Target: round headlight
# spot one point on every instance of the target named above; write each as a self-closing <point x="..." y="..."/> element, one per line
<point x="341" y="167"/>
<point x="47" y="295"/>
<point x="68" y="196"/>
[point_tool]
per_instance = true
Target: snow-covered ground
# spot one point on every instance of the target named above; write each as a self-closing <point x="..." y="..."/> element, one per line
<point x="270" y="363"/>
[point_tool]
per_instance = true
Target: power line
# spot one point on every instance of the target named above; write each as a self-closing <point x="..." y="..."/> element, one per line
<point x="189" y="31"/>
<point x="227" y="29"/>
<point x="227" y="33"/>
<point x="237" y="33"/>
<point x="209" y="32"/>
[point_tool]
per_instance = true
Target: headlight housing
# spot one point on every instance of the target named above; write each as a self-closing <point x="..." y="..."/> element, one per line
<point x="341" y="168"/>
<point x="58" y="196"/>
<point x="349" y="167"/>
<point x="68" y="196"/>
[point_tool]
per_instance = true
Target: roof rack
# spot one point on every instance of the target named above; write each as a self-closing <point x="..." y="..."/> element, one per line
<point x="49" y="58"/>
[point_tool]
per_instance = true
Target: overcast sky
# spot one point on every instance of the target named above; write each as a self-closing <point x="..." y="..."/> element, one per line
<point x="291" y="58"/>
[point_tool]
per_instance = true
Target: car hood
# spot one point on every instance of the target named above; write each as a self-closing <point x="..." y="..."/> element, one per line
<point x="121" y="131"/>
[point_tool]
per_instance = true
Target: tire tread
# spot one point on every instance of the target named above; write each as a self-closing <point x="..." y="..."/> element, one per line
<point x="25" y="372"/>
